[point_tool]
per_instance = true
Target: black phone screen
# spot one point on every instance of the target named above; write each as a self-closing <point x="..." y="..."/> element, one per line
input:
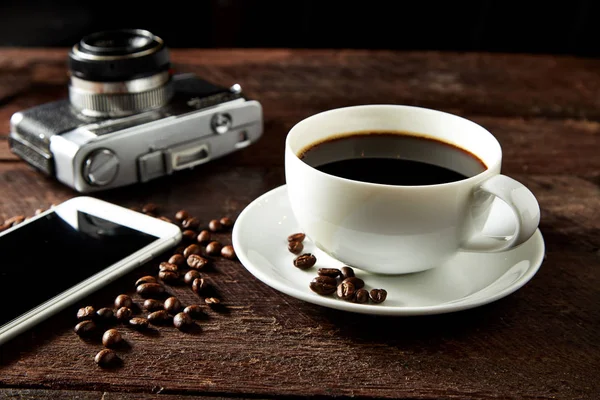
<point x="47" y="256"/>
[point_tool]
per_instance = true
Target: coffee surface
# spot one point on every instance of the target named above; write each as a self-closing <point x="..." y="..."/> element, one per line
<point x="392" y="158"/>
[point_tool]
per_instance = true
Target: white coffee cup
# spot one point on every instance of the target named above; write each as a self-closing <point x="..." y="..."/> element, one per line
<point x="400" y="229"/>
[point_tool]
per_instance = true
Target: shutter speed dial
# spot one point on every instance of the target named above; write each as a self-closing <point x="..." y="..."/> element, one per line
<point x="100" y="167"/>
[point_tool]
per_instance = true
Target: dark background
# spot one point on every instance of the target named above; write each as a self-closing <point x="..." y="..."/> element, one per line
<point x="563" y="27"/>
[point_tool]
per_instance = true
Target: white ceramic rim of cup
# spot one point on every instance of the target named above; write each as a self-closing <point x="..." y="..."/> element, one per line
<point x="490" y="167"/>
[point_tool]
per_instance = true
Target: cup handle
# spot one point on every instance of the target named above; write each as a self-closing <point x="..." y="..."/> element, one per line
<point x="525" y="210"/>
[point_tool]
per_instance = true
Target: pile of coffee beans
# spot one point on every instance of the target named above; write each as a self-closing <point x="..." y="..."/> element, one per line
<point x="341" y="282"/>
<point x="159" y="308"/>
<point x="92" y="322"/>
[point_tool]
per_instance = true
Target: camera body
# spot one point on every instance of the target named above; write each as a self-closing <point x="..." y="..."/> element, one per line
<point x="120" y="131"/>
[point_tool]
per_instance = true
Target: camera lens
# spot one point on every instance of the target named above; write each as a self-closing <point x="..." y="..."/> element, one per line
<point x="119" y="72"/>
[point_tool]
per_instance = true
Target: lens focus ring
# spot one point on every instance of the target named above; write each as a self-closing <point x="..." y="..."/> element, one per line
<point x="97" y="105"/>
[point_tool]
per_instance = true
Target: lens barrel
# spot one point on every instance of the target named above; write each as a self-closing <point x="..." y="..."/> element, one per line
<point x="119" y="72"/>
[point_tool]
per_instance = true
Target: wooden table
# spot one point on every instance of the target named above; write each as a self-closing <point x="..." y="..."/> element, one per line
<point x="540" y="342"/>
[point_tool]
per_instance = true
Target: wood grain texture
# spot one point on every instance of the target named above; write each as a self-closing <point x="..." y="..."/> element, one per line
<point x="316" y="80"/>
<point x="540" y="342"/>
<point x="46" y="394"/>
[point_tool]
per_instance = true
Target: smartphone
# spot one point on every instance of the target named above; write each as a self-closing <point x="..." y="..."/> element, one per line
<point x="60" y="256"/>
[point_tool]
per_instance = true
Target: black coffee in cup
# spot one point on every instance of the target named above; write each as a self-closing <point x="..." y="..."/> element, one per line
<point x="392" y="158"/>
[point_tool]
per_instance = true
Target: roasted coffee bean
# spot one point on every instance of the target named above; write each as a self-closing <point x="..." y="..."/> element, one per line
<point x="328" y="280"/>
<point x="228" y="252"/>
<point x="106" y="358"/>
<point x="16" y="220"/>
<point x="153" y="305"/>
<point x="199" y="285"/>
<point x="85" y="313"/>
<point x="203" y="237"/>
<point x="378" y="295"/>
<point x="215" y="225"/>
<point x="168" y="276"/>
<point x="163" y="218"/>
<point x="124" y="314"/>
<point x="150" y="289"/>
<point x="357" y="282"/>
<point x="346" y="290"/>
<point x="295" y="247"/>
<point x="191" y="223"/>
<point x="190" y="276"/>
<point x="145" y="279"/>
<point x="159" y="317"/>
<point x="111" y="338"/>
<point x="213" y="248"/>
<point x="196" y="262"/>
<point x="123" y="300"/>
<point x="105" y="314"/>
<point x="296" y="237"/>
<point x="150" y="208"/>
<point x="192" y="249"/>
<point x="172" y="305"/>
<point x="166" y="266"/>
<point x="138" y="323"/>
<point x="177" y="259"/>
<point x="332" y="272"/>
<point x="189" y="235"/>
<point x="347" y="272"/>
<point x="323" y="285"/>
<point x="211" y="301"/>
<point x="84" y="328"/>
<point x="182" y="321"/>
<point x="226" y="222"/>
<point x="179" y="250"/>
<point x="361" y="296"/>
<point x="193" y="310"/>
<point x="181" y="215"/>
<point x="305" y="261"/>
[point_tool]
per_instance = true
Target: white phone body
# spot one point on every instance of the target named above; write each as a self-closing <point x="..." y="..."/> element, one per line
<point x="166" y="235"/>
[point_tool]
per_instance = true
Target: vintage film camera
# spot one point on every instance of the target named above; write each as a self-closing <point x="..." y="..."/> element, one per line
<point x="129" y="119"/>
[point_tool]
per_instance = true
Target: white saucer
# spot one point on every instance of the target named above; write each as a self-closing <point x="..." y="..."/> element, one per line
<point x="467" y="280"/>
